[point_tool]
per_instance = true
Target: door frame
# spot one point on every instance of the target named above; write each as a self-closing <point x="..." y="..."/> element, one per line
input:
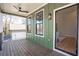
<point x="54" y="33"/>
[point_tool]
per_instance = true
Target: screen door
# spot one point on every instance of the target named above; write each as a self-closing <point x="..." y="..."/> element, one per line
<point x="66" y="30"/>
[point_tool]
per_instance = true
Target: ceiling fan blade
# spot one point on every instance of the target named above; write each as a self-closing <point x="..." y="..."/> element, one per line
<point x="15" y="7"/>
<point x="23" y="11"/>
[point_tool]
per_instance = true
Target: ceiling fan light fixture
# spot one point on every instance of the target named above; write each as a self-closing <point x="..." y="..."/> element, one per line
<point x="19" y="7"/>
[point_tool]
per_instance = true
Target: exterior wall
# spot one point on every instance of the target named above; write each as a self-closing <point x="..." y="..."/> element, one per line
<point x="47" y="40"/>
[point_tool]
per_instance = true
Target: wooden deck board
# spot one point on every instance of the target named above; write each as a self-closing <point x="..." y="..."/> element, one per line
<point x="24" y="48"/>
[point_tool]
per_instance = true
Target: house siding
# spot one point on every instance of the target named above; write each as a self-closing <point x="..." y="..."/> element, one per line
<point x="47" y="40"/>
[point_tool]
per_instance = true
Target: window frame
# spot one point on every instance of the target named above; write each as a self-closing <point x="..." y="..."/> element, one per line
<point x="28" y="24"/>
<point x="42" y="23"/>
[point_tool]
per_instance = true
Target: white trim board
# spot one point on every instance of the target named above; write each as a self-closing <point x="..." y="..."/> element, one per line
<point x="68" y="5"/>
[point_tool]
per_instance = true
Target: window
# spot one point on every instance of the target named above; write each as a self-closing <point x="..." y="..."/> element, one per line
<point x="29" y="25"/>
<point x="39" y="23"/>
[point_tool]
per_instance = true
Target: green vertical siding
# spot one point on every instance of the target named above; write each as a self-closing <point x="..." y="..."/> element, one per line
<point x="47" y="40"/>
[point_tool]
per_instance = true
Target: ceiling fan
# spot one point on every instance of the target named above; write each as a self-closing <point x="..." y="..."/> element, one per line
<point x="20" y="9"/>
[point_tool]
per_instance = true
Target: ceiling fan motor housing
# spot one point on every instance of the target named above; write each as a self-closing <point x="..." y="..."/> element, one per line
<point x="19" y="8"/>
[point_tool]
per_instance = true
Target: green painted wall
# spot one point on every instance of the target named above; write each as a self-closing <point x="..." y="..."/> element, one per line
<point x="47" y="40"/>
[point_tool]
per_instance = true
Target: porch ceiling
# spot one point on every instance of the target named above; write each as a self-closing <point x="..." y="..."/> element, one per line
<point x="8" y="7"/>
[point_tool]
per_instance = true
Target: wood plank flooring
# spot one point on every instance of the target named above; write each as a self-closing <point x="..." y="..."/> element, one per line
<point x="25" y="48"/>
